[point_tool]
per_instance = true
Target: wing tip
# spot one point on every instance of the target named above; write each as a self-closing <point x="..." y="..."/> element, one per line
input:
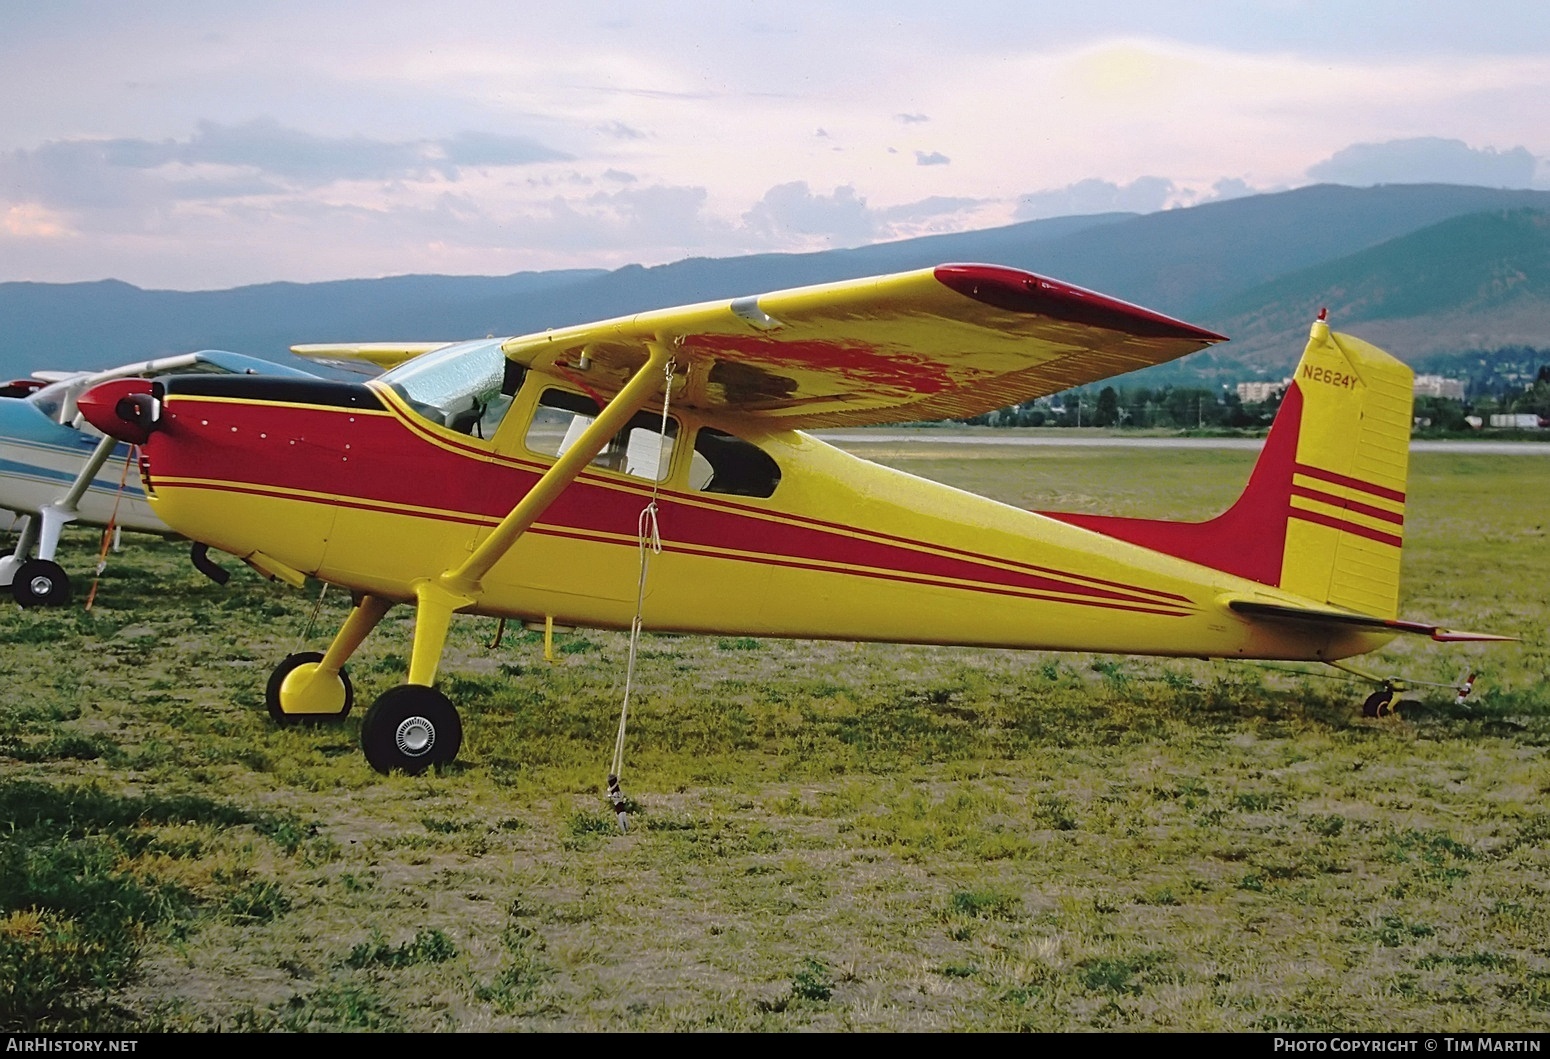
<point x="1024" y="292"/>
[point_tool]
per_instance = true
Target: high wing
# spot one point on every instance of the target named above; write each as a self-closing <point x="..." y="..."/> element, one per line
<point x="944" y="342"/>
<point x="370" y="356"/>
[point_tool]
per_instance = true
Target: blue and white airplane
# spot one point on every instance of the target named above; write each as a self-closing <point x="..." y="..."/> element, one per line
<point x="55" y="468"/>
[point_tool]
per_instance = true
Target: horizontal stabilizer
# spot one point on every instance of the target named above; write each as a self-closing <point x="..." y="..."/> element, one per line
<point x="1320" y="616"/>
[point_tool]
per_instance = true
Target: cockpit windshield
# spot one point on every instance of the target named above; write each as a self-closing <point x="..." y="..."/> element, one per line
<point x="466" y="387"/>
<point x="50" y="400"/>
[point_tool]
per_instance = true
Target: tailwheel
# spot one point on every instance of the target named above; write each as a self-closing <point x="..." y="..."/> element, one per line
<point x="41" y="583"/>
<point x="1382" y="703"/>
<point x="411" y="728"/>
<point x="298" y="692"/>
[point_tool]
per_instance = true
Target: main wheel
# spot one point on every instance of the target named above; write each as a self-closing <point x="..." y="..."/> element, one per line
<point x="41" y="583"/>
<point x="1381" y="703"/>
<point x="294" y="695"/>
<point x="411" y="728"/>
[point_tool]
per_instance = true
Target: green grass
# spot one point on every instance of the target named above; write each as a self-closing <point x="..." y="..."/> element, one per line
<point x="823" y="835"/>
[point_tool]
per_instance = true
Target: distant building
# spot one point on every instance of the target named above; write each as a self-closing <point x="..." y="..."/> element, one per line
<point x="1425" y="386"/>
<point x="1439" y="386"/>
<point x="1517" y="421"/>
<point x="1260" y="392"/>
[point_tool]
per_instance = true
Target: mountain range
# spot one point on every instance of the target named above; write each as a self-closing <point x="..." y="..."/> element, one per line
<point x="1422" y="270"/>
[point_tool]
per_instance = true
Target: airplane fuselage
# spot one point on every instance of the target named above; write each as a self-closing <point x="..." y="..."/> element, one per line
<point x="39" y="459"/>
<point x="348" y="484"/>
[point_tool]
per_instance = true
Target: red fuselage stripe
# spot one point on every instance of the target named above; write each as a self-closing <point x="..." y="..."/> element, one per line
<point x="370" y="462"/>
<point x="886" y="575"/>
<point x="706" y="500"/>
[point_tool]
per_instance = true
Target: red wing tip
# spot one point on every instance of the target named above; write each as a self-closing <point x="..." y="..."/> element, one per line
<point x="1019" y="291"/>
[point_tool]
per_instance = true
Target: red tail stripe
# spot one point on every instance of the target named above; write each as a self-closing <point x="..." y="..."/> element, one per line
<point x="1395" y="517"/>
<point x="1348" y="527"/>
<point x="1384" y="492"/>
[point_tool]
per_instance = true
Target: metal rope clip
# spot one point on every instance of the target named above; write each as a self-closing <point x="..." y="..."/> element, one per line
<point x="616" y="796"/>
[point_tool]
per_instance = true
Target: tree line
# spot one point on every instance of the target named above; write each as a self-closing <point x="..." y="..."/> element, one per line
<point x="1203" y="408"/>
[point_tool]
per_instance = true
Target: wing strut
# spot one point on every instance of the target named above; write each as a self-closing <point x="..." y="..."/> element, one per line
<point x="314" y="686"/>
<point x="438" y="599"/>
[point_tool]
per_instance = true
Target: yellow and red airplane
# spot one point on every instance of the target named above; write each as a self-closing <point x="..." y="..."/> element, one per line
<point x="519" y="477"/>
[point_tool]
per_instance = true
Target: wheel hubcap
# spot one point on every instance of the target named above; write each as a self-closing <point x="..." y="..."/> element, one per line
<point x="415" y="736"/>
<point x="41" y="586"/>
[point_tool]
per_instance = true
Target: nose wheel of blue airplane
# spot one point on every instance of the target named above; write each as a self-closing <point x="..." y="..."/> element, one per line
<point x="301" y="690"/>
<point x="411" y="728"/>
<point x="41" y="583"/>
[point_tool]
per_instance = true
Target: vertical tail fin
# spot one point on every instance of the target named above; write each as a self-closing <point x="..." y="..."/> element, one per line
<point x="1347" y="482"/>
<point x="1323" y="513"/>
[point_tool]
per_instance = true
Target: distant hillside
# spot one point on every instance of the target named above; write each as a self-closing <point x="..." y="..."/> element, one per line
<point x="1178" y="261"/>
<point x="1183" y="262"/>
<point x="92" y="325"/>
<point x="1481" y="281"/>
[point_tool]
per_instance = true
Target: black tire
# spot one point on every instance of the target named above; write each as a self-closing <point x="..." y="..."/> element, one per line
<point x="41" y="583"/>
<point x="277" y="678"/>
<point x="409" y="729"/>
<point x="1380" y="703"/>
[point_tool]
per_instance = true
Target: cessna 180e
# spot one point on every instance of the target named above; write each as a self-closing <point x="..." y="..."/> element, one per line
<point x="521" y="477"/>
<point x="55" y="469"/>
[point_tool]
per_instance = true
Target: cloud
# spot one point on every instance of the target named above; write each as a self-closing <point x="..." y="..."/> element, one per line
<point x="791" y="217"/>
<point x="620" y="131"/>
<point x="935" y="207"/>
<point x="1427" y="160"/>
<point x="1230" y="188"/>
<point x="255" y="158"/>
<point x="1143" y="195"/>
<point x="933" y="158"/>
<point x="658" y="216"/>
<point x="911" y="119"/>
<point x="793" y="210"/>
<point x="32" y="222"/>
<point x="485" y="149"/>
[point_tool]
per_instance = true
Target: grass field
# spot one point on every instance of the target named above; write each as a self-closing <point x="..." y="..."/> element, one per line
<point x="825" y="835"/>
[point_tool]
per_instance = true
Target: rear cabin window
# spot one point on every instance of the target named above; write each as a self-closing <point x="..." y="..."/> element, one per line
<point x="725" y="464"/>
<point x="639" y="450"/>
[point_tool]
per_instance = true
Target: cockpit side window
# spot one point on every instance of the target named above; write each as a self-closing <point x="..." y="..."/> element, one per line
<point x="639" y="450"/>
<point x="725" y="464"/>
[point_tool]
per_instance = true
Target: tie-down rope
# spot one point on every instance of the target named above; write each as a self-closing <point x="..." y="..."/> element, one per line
<point x="649" y="539"/>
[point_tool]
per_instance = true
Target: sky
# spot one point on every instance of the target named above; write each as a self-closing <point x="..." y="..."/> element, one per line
<point x="206" y="144"/>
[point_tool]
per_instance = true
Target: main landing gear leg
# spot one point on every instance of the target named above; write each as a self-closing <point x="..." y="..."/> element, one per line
<point x="40" y="581"/>
<point x="26" y="540"/>
<point x="414" y="726"/>
<point x="314" y="687"/>
<point x="35" y="582"/>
